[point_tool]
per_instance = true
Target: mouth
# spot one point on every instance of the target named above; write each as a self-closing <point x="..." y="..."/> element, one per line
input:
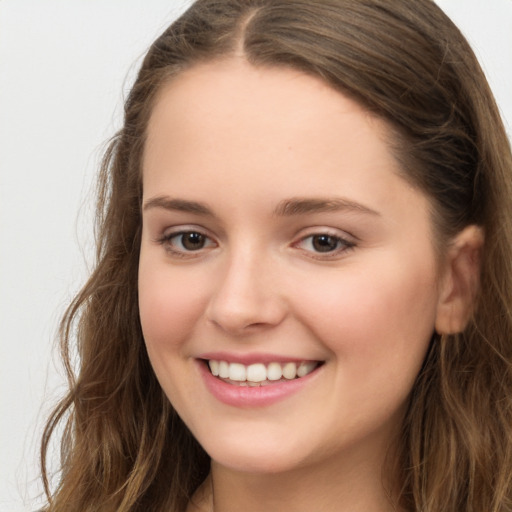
<point x="260" y="374"/>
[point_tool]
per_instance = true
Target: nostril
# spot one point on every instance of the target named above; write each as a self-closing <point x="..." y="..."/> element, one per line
<point x="245" y="316"/>
<point x="243" y="299"/>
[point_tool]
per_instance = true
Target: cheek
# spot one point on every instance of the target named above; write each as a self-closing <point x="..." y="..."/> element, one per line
<point x="170" y="308"/>
<point x="378" y="328"/>
<point x="383" y="314"/>
<point x="170" y="304"/>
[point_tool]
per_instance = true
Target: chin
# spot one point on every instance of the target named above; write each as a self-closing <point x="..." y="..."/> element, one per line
<point x="264" y="457"/>
<point x="256" y="464"/>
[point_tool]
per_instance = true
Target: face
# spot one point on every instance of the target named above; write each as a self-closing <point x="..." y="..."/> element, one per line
<point x="282" y="249"/>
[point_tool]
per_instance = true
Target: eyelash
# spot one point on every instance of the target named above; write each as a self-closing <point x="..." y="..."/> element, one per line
<point x="166" y="241"/>
<point x="341" y="244"/>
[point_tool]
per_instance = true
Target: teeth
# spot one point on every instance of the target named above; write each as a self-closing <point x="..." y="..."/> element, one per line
<point x="305" y="368"/>
<point x="256" y="372"/>
<point x="237" y="372"/>
<point x="289" y="371"/>
<point x="274" y="371"/>
<point x="259" y="374"/>
<point x="223" y="370"/>
<point x="214" y="367"/>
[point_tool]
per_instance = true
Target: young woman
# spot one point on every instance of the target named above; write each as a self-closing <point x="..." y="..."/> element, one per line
<point x="302" y="299"/>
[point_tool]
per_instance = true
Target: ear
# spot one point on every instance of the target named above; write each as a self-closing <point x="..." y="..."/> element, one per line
<point x="460" y="280"/>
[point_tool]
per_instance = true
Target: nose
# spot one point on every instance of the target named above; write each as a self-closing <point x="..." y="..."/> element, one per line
<point x="247" y="295"/>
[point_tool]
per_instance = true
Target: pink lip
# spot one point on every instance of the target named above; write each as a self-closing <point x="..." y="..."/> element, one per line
<point x="246" y="396"/>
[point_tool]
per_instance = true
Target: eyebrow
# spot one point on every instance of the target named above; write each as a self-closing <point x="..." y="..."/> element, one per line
<point x="286" y="208"/>
<point x="302" y="206"/>
<point x="181" y="205"/>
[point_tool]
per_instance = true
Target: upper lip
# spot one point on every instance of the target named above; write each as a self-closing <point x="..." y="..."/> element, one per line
<point x="252" y="358"/>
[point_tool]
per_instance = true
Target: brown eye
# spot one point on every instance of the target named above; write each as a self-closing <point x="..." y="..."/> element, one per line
<point x="184" y="242"/>
<point x="192" y="241"/>
<point x="325" y="243"/>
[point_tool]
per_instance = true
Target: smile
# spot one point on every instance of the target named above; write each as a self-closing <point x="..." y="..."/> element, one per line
<point x="256" y="380"/>
<point x="260" y="374"/>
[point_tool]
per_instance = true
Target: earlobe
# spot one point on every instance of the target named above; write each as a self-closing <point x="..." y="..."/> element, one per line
<point x="460" y="281"/>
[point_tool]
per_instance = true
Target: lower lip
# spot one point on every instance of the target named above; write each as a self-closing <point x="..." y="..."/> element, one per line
<point x="247" y="396"/>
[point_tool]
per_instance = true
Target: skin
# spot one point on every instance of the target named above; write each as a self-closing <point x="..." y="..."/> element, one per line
<point x="240" y="141"/>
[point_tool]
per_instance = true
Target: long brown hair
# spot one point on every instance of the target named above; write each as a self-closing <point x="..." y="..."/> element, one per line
<point x="124" y="448"/>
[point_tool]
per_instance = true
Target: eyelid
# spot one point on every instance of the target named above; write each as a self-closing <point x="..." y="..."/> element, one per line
<point x="168" y="234"/>
<point x="183" y="228"/>
<point x="348" y="242"/>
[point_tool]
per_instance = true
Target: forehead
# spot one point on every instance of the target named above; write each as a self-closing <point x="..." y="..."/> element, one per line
<point x="229" y="131"/>
<point x="221" y="85"/>
<point x="256" y="111"/>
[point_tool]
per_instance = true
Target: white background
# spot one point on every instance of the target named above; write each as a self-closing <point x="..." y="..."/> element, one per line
<point x="65" y="66"/>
